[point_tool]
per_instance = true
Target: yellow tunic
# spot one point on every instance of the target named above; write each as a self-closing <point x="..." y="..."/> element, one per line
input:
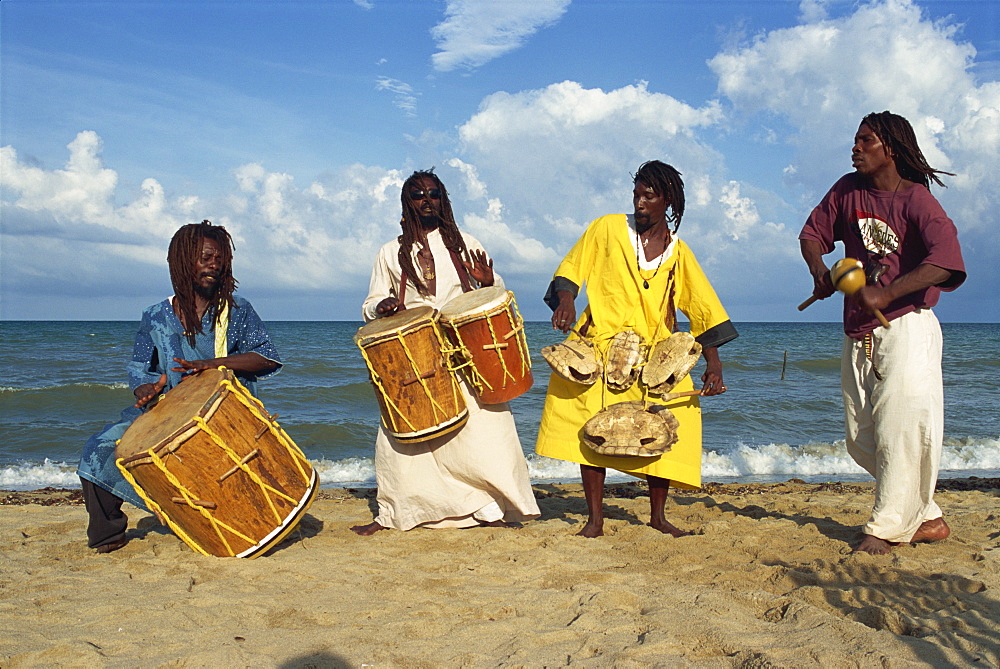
<point x="604" y="259"/>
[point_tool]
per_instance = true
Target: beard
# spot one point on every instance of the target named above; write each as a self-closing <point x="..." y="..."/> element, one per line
<point x="430" y="221"/>
<point x="642" y="222"/>
<point x="207" y="292"/>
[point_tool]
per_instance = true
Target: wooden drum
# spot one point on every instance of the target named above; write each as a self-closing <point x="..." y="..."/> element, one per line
<point x="489" y="332"/>
<point x="418" y="394"/>
<point x="217" y="468"/>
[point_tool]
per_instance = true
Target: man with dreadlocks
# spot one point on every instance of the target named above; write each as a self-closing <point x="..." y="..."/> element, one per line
<point x="637" y="272"/>
<point x="202" y="326"/>
<point x="475" y="475"/>
<point x="885" y="215"/>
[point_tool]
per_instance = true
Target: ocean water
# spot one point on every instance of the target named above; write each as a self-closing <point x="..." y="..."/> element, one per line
<point x="62" y="381"/>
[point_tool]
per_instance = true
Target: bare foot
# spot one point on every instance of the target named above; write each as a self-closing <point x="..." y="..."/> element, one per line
<point x="591" y="530"/>
<point x="874" y="546"/>
<point x="367" y="530"/>
<point x="667" y="528"/>
<point x="931" y="530"/>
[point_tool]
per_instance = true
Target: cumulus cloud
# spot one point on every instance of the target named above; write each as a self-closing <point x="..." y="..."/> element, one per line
<point x="291" y="240"/>
<point x="823" y="76"/>
<point x="564" y="152"/>
<point x="475" y="32"/>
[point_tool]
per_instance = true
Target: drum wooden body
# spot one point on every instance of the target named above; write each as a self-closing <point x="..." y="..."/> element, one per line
<point x="489" y="332"/>
<point x="418" y="394"/>
<point x="214" y="465"/>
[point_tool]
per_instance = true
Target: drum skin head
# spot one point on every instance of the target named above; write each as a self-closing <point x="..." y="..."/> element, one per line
<point x="187" y="399"/>
<point x="217" y="467"/>
<point x="398" y="322"/>
<point x="475" y="301"/>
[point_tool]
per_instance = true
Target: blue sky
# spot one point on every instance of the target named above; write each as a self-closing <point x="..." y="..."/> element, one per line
<point x="295" y="123"/>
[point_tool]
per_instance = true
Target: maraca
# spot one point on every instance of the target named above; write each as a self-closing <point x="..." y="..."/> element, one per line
<point x="848" y="276"/>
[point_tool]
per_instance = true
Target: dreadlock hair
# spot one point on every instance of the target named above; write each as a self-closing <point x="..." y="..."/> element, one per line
<point x="665" y="181"/>
<point x="898" y="138"/>
<point x="412" y="228"/>
<point x="185" y="251"/>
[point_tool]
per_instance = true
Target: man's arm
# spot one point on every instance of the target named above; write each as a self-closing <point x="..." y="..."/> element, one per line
<point x="921" y="277"/>
<point x="812" y="253"/>
<point x="253" y="364"/>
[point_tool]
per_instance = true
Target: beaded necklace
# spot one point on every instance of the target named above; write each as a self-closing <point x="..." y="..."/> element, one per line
<point x="638" y="267"/>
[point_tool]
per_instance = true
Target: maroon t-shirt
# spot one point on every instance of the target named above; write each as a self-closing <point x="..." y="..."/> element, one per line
<point x="901" y="230"/>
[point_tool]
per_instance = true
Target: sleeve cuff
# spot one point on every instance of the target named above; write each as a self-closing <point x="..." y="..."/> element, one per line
<point x="718" y="335"/>
<point x="552" y="294"/>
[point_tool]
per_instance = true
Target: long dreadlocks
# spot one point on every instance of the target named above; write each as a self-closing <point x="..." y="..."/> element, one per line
<point x="412" y="228"/>
<point x="898" y="137"/>
<point x="185" y="251"/>
<point x="665" y="181"/>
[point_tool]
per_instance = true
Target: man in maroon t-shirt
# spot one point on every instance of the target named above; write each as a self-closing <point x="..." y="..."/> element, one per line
<point x="886" y="217"/>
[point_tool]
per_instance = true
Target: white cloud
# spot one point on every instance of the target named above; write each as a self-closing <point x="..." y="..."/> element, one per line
<point x="740" y="211"/>
<point x="475" y="32"/>
<point x="404" y="97"/>
<point x="823" y="77"/>
<point x="566" y="152"/>
<point x="290" y="240"/>
<point x="820" y="78"/>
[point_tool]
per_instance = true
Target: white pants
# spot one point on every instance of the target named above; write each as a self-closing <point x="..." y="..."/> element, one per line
<point x="894" y="414"/>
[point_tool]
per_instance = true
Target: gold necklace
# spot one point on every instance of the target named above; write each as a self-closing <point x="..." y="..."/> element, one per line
<point x="428" y="270"/>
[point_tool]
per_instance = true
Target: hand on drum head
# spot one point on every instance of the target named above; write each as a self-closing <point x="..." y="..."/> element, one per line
<point x="191" y="367"/>
<point x="481" y="268"/>
<point x="149" y="391"/>
<point x="387" y="307"/>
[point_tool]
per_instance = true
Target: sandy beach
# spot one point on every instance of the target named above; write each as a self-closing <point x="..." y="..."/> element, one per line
<point x="768" y="580"/>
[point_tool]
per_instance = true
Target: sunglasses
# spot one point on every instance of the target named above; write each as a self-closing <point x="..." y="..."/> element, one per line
<point x="433" y="193"/>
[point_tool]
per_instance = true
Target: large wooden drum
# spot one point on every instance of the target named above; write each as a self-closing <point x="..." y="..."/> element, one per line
<point x="489" y="332"/>
<point x="217" y="468"/>
<point x="418" y="395"/>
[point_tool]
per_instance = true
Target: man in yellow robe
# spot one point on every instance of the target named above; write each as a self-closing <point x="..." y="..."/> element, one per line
<point x="637" y="273"/>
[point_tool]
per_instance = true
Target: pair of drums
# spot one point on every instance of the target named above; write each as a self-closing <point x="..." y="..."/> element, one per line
<point x="415" y="358"/>
<point x="217" y="468"/>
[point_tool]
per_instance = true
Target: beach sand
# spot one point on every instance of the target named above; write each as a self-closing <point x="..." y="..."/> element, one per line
<point x="767" y="581"/>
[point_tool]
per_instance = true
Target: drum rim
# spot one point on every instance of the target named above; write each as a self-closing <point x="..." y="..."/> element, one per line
<point x="502" y="299"/>
<point x="182" y="433"/>
<point x="429" y="318"/>
<point x="439" y="430"/>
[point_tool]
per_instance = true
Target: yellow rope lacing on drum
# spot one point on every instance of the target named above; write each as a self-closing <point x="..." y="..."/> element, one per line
<point x="435" y="406"/>
<point x="256" y="408"/>
<point x="516" y="324"/>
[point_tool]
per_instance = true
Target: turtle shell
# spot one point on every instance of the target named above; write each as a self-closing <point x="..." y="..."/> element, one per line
<point x="574" y="360"/>
<point x="625" y="359"/>
<point x="638" y="429"/>
<point x="669" y="362"/>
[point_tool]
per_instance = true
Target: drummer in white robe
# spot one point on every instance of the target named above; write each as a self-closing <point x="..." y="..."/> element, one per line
<point x="475" y="475"/>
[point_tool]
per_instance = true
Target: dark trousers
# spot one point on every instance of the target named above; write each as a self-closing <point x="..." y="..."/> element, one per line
<point x="107" y="522"/>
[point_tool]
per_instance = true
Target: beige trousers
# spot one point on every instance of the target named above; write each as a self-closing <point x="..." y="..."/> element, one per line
<point x="894" y="410"/>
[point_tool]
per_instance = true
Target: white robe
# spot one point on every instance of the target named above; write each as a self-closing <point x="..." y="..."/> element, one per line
<point x="475" y="473"/>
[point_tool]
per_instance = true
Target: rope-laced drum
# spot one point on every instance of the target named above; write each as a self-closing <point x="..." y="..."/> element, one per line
<point x="493" y="355"/>
<point x="418" y="394"/>
<point x="217" y="468"/>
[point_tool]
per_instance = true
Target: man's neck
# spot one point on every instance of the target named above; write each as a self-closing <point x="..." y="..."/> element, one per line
<point x="888" y="179"/>
<point x="650" y="229"/>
